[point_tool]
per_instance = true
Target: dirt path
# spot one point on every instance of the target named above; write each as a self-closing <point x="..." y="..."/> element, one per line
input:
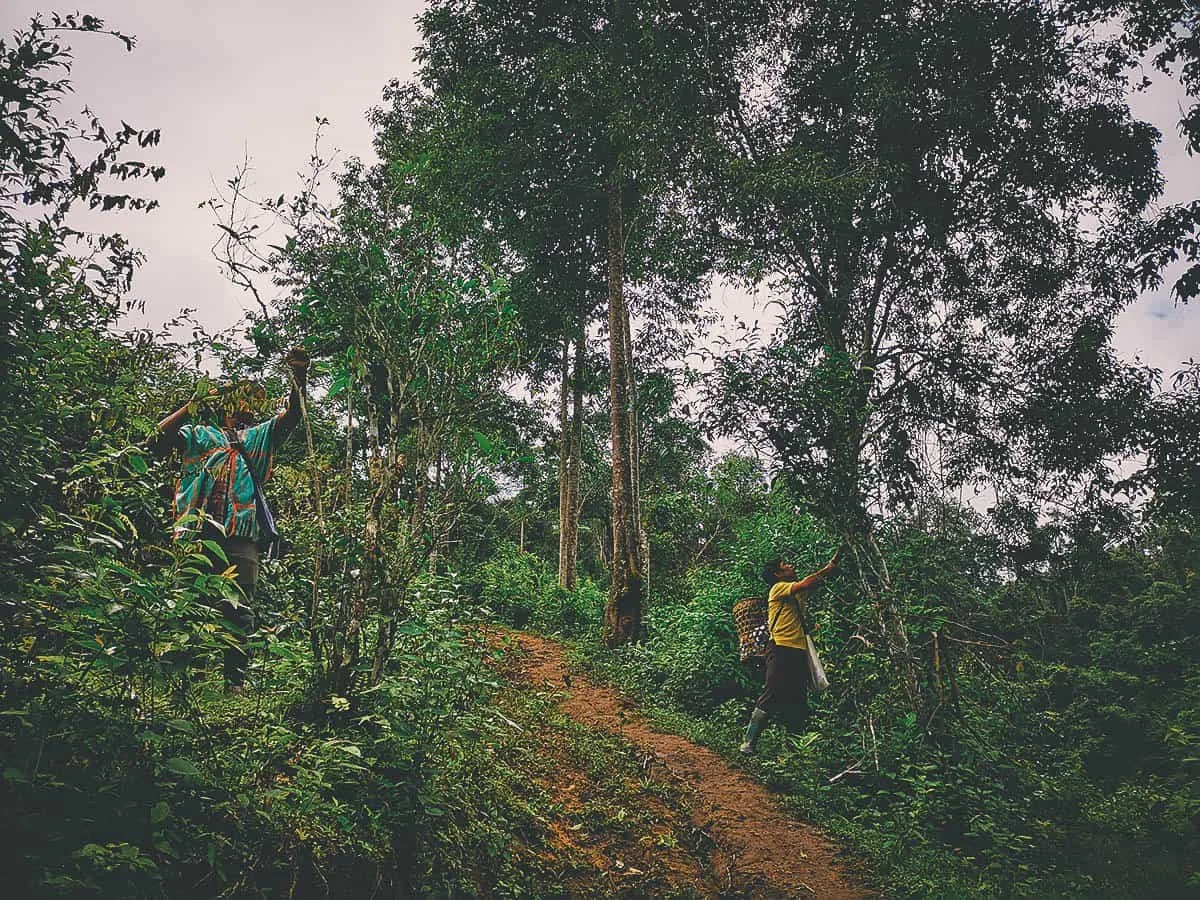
<point x="759" y="850"/>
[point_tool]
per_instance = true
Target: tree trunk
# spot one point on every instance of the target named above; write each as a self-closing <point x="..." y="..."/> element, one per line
<point x="436" y="509"/>
<point x="376" y="577"/>
<point x="876" y="581"/>
<point x="623" y="614"/>
<point x="348" y="490"/>
<point x="570" y="546"/>
<point x="346" y="635"/>
<point x="873" y="570"/>
<point x="316" y="643"/>
<point x="850" y="517"/>
<point x="635" y="454"/>
<point x="564" y="451"/>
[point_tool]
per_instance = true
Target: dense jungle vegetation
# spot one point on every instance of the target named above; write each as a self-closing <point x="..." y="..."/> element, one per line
<point x="521" y="412"/>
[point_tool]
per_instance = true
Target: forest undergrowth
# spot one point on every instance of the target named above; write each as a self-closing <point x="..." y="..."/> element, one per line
<point x="445" y="782"/>
<point x="1051" y="783"/>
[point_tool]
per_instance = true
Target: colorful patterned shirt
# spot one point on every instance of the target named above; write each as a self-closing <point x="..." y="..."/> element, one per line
<point x="215" y="480"/>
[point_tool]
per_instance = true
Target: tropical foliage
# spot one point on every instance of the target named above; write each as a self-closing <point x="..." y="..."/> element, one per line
<point x="519" y="416"/>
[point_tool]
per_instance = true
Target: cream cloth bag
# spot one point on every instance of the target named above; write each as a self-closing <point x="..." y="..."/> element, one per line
<point x="820" y="683"/>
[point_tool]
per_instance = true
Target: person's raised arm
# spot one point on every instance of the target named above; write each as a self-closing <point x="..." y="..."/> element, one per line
<point x="818" y="576"/>
<point x="166" y="436"/>
<point x="297" y="361"/>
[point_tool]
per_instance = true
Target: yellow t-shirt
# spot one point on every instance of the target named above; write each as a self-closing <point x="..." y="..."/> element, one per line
<point x="783" y="608"/>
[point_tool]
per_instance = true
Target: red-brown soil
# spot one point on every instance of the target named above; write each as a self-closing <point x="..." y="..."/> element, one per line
<point x="758" y="850"/>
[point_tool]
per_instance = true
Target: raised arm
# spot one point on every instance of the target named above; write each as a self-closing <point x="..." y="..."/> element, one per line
<point x="168" y="429"/>
<point x="297" y="360"/>
<point x="818" y="576"/>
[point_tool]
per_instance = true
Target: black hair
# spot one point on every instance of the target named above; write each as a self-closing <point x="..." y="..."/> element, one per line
<point x="770" y="571"/>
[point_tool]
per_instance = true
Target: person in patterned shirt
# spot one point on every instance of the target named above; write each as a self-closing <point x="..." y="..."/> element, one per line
<point x="214" y="498"/>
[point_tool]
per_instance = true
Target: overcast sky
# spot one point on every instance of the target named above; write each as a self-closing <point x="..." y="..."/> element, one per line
<point x="225" y="79"/>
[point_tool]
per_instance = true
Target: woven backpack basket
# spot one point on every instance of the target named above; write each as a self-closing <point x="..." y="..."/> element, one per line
<point x="750" y="617"/>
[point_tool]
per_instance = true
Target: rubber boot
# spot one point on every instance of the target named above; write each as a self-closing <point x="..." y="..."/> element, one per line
<point x="758" y="721"/>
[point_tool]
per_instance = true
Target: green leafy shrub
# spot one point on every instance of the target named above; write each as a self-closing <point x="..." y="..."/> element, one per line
<point x="522" y="589"/>
<point x="689" y="660"/>
<point x="1056" y="759"/>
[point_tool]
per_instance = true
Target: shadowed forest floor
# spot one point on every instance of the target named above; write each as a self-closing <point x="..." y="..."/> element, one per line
<point x="706" y="829"/>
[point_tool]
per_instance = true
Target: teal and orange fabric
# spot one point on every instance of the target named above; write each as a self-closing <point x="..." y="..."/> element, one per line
<point x="215" y="481"/>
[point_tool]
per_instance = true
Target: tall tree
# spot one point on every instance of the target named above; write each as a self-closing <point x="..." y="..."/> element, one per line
<point x="473" y="183"/>
<point x="942" y="195"/>
<point x="571" y="456"/>
<point x="419" y="337"/>
<point x="1167" y="34"/>
<point x="61" y="290"/>
<point x="596" y="108"/>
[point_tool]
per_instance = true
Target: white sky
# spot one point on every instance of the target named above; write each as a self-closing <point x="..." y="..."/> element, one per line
<point x="225" y="79"/>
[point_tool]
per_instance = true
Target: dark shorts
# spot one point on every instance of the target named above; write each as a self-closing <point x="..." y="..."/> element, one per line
<point x="785" y="695"/>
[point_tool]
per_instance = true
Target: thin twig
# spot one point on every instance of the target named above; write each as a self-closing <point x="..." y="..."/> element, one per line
<point x="852" y="770"/>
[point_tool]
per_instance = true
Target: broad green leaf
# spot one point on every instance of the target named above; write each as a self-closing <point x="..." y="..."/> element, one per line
<point x="181" y="766"/>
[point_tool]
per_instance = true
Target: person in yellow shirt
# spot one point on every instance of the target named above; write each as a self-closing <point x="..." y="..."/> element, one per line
<point x="786" y="690"/>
